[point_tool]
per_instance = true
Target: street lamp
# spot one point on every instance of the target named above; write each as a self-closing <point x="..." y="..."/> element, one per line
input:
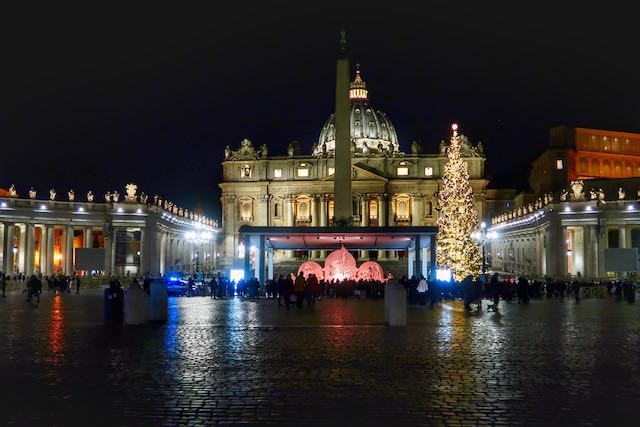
<point x="483" y="236"/>
<point x="198" y="237"/>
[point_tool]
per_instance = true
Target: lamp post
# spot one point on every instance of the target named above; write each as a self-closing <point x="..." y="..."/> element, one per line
<point x="483" y="236"/>
<point x="197" y="238"/>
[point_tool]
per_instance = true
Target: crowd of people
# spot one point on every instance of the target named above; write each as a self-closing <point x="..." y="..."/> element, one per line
<point x="32" y="285"/>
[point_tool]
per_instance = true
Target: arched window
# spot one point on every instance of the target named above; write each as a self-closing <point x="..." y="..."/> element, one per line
<point x="606" y="168"/>
<point x="617" y="168"/>
<point x="303" y="209"/>
<point x="246" y="209"/>
<point x="583" y="165"/>
<point x="595" y="167"/>
<point x="402" y="207"/>
<point x="277" y="209"/>
<point x="373" y="209"/>
<point x="331" y="208"/>
<point x="428" y="208"/>
<point x="628" y="169"/>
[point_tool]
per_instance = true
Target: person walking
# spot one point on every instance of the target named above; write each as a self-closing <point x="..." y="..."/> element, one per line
<point x="213" y="287"/>
<point x="422" y="289"/>
<point x="298" y="289"/>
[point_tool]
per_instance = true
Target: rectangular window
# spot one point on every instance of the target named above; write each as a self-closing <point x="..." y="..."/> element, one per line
<point x="403" y="171"/>
<point x="277" y="173"/>
<point x="303" y="172"/>
<point x="428" y="171"/>
<point x="332" y="171"/>
<point x="246" y="171"/>
<point x="559" y="164"/>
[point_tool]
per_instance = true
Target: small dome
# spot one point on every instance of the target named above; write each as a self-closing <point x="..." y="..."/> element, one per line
<point x="371" y="130"/>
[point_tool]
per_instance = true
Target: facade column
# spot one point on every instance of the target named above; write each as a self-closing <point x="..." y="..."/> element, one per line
<point x="364" y="210"/>
<point x="2" y="246"/>
<point x="391" y="220"/>
<point x="382" y="219"/>
<point x="247" y="258"/>
<point x="324" y="217"/>
<point x="30" y="249"/>
<point x="564" y="260"/>
<point x="9" y="256"/>
<point x="416" y="209"/>
<point x="289" y="201"/>
<point x="51" y="235"/>
<point x="68" y="261"/>
<point x="315" y="219"/>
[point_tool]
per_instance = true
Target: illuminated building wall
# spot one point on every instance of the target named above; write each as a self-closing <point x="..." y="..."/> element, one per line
<point x="580" y="153"/>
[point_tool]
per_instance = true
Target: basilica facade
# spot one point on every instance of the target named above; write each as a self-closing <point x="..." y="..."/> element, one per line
<point x="390" y="186"/>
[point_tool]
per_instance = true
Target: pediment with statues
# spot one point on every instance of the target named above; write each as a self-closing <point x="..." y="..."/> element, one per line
<point x="246" y="151"/>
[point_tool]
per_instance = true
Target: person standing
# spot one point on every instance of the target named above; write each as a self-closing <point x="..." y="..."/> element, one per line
<point x="298" y="289"/>
<point x="3" y="283"/>
<point x="422" y="289"/>
<point x="78" y="279"/>
<point x="313" y="289"/>
<point x="467" y="284"/>
<point x="494" y="287"/>
<point x="280" y="289"/>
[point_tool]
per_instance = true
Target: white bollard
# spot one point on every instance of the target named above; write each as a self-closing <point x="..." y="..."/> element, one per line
<point x="158" y="305"/>
<point x="395" y="304"/>
<point x="134" y="306"/>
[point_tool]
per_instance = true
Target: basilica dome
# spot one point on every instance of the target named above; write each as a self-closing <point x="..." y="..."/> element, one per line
<point x="371" y="130"/>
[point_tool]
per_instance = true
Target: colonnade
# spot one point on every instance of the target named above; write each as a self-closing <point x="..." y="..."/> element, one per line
<point x="22" y="253"/>
<point x="29" y="248"/>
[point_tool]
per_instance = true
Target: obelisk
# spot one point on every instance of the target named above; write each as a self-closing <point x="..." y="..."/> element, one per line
<point x="342" y="174"/>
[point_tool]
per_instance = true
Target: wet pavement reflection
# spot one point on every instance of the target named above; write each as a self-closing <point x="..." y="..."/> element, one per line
<point x="240" y="361"/>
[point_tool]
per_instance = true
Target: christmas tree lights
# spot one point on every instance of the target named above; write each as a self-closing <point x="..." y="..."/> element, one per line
<point x="456" y="249"/>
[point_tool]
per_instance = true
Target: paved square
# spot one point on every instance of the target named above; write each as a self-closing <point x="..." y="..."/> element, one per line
<point x="240" y="361"/>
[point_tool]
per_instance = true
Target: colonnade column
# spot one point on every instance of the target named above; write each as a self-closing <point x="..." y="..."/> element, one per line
<point x="2" y="246"/>
<point x="22" y="248"/>
<point x="30" y="249"/>
<point x="51" y="234"/>
<point x="144" y="256"/>
<point x="112" y="257"/>
<point x="9" y="256"/>
<point x="43" y="249"/>
<point x="623" y="236"/>
<point x="88" y="237"/>
<point x="68" y="261"/>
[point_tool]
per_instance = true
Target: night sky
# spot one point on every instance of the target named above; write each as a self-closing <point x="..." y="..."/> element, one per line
<point x="95" y="98"/>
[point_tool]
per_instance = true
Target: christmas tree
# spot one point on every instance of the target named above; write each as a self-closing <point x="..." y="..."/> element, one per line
<point x="456" y="250"/>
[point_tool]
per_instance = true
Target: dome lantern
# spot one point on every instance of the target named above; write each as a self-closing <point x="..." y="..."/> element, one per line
<point x="358" y="90"/>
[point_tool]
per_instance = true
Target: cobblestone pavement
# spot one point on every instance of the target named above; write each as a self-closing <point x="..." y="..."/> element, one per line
<point x="233" y="361"/>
